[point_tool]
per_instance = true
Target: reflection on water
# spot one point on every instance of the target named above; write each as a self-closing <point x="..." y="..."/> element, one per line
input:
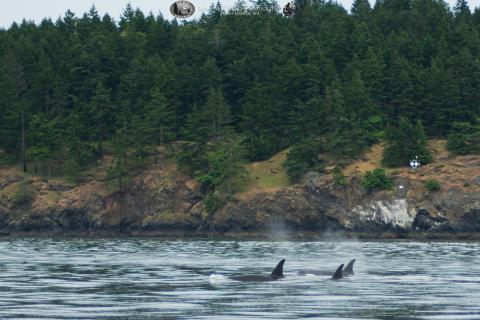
<point x="164" y="279"/>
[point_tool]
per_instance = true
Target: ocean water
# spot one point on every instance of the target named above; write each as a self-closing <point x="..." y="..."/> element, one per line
<point x="188" y="279"/>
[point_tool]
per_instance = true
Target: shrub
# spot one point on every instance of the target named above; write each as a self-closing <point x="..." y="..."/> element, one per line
<point x="212" y="202"/>
<point x="302" y="157"/>
<point x="376" y="180"/>
<point x="338" y="177"/>
<point x="24" y="194"/>
<point x="432" y="185"/>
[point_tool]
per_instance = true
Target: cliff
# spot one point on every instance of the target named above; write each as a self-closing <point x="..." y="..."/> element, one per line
<point x="163" y="201"/>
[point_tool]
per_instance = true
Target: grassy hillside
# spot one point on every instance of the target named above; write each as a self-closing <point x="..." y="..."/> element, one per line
<point x="265" y="175"/>
<point x="372" y="158"/>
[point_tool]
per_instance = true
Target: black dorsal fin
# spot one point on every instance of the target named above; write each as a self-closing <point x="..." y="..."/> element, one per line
<point x="278" y="271"/>
<point x="349" y="268"/>
<point x="339" y="273"/>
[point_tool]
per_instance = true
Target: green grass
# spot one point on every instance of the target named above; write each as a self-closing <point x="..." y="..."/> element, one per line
<point x="266" y="174"/>
<point x="432" y="185"/>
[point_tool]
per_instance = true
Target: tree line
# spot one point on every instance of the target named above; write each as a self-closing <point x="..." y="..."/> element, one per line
<point x="232" y="87"/>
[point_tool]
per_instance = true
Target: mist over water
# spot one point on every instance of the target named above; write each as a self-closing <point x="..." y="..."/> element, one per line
<point x="188" y="279"/>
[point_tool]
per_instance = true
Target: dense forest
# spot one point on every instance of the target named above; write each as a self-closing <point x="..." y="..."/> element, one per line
<point x="239" y="85"/>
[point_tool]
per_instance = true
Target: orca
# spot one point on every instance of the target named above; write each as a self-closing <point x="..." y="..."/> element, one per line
<point x="276" y="274"/>
<point x="338" y="273"/>
<point x="345" y="272"/>
<point x="348" y="270"/>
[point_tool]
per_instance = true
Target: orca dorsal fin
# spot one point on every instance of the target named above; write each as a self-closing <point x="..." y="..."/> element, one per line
<point x="339" y="273"/>
<point x="278" y="271"/>
<point x="349" y="268"/>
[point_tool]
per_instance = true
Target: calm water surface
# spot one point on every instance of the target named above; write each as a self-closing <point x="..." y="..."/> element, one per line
<point x="187" y="279"/>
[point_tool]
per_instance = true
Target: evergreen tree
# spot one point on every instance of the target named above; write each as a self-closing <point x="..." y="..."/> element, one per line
<point x="225" y="172"/>
<point x="191" y="158"/>
<point x="159" y="120"/>
<point x="45" y="138"/>
<point x="357" y="100"/>
<point x="302" y="157"/>
<point x="404" y="143"/>
<point x="9" y="117"/>
<point x="361" y="9"/>
<point x="119" y="171"/>
<point x="262" y="123"/>
<point x="214" y="13"/>
<point x="441" y="97"/>
<point x="102" y="115"/>
<point x="465" y="139"/>
<point x="16" y="89"/>
<point x="345" y="139"/>
<point x="324" y="75"/>
<point x="140" y="142"/>
<point x="195" y="128"/>
<point x="216" y="113"/>
<point x="76" y="154"/>
<point x="462" y="11"/>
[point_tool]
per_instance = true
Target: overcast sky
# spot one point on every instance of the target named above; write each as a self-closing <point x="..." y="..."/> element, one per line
<point x="16" y="10"/>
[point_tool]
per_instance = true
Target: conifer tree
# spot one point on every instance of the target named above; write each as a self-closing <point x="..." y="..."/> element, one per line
<point x="302" y="157"/>
<point x="404" y="143"/>
<point x="361" y="8"/>
<point x="225" y="171"/>
<point x="465" y="139"/>
<point x="159" y="120"/>
<point x="45" y="139"/>
<point x="195" y="128"/>
<point x="9" y="117"/>
<point x="102" y="115"/>
<point x="14" y="73"/>
<point x="140" y="140"/>
<point x="149" y="81"/>
<point x="119" y="171"/>
<point x="345" y="139"/>
<point x="462" y="11"/>
<point x="216" y="113"/>
<point x="357" y="99"/>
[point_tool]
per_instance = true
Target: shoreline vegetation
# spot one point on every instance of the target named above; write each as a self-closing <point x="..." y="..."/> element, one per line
<point x="435" y="201"/>
<point x="163" y="202"/>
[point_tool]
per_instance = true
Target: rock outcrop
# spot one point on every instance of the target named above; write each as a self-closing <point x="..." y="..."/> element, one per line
<point x="158" y="203"/>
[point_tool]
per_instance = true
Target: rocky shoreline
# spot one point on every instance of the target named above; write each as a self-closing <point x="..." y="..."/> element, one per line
<point x="159" y="204"/>
<point x="254" y="236"/>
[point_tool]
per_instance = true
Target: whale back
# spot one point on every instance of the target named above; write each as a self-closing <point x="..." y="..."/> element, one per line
<point x="278" y="271"/>
<point x="338" y="273"/>
<point x="349" y="268"/>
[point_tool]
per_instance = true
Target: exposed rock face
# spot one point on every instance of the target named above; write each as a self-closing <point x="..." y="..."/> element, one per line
<point x="289" y="209"/>
<point x="424" y="221"/>
<point x="393" y="215"/>
<point x="157" y="203"/>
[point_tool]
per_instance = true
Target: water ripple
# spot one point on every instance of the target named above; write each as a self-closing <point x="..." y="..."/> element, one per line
<point x="188" y="279"/>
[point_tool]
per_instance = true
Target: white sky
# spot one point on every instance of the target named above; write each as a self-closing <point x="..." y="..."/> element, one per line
<point x="17" y="10"/>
